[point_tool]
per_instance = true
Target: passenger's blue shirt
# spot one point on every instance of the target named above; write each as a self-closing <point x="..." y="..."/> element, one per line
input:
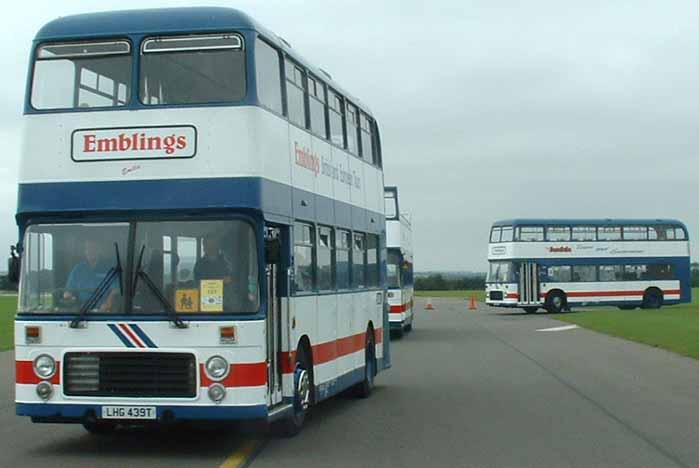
<point x="84" y="279"/>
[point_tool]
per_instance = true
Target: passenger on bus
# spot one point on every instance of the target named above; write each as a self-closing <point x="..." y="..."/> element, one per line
<point x="213" y="265"/>
<point x="87" y="275"/>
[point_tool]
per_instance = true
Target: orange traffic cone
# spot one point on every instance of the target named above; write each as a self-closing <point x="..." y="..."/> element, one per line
<point x="472" y="305"/>
<point x="429" y="305"/>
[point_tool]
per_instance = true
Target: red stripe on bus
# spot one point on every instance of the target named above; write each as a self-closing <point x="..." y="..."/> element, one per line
<point x="331" y="350"/>
<point x="24" y="373"/>
<point x="241" y="375"/>
<point x="611" y="293"/>
<point x="131" y="335"/>
<point x="512" y="296"/>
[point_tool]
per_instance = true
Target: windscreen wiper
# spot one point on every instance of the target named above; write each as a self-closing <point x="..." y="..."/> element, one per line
<point x="156" y="291"/>
<point x="102" y="288"/>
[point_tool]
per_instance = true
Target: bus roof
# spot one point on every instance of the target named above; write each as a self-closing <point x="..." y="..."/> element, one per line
<point x="182" y="20"/>
<point x="586" y="221"/>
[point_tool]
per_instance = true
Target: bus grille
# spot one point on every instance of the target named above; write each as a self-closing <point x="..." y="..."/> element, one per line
<point x="114" y="374"/>
<point x="496" y="295"/>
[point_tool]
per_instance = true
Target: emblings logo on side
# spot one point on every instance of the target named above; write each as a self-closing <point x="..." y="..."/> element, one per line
<point x="564" y="249"/>
<point x="134" y="143"/>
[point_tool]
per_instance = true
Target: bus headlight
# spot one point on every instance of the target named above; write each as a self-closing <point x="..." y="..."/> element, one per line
<point x="44" y="390"/>
<point x="217" y="392"/>
<point x="217" y="368"/>
<point x="44" y="366"/>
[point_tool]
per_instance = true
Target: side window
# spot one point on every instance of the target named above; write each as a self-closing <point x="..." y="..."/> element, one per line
<point x="495" y="235"/>
<point x="326" y="258"/>
<point x="530" y="234"/>
<point x="559" y="274"/>
<point x="365" y="131"/>
<point x="303" y="257"/>
<point x="635" y="272"/>
<point x="295" y="99"/>
<point x="352" y="129"/>
<point x="335" y="118"/>
<point x="316" y="106"/>
<point x="661" y="272"/>
<point x="611" y="272"/>
<point x="609" y="233"/>
<point x="268" y="73"/>
<point x="635" y="233"/>
<point x="343" y="253"/>
<point x="584" y="233"/>
<point x="506" y="234"/>
<point x="584" y="273"/>
<point x="359" y="260"/>
<point x="372" y="260"/>
<point x="680" y="234"/>
<point x="557" y="233"/>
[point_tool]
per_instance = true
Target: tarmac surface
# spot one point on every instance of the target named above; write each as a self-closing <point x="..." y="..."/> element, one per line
<point x="467" y="388"/>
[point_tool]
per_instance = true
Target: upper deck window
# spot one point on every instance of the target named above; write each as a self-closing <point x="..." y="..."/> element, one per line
<point x="82" y="75"/>
<point x="529" y="233"/>
<point x="201" y="69"/>
<point x="557" y="233"/>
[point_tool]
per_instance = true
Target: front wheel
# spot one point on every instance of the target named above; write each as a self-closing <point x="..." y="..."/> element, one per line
<point x="364" y="388"/>
<point x="652" y="299"/>
<point x="556" y="302"/>
<point x="303" y="388"/>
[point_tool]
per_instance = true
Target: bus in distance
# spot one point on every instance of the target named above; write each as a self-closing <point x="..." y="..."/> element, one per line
<point x="555" y="264"/>
<point x="202" y="229"/>
<point x="399" y="266"/>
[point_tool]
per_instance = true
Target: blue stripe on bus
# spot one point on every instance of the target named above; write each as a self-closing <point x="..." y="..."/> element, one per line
<point x="177" y="195"/>
<point x="77" y="411"/>
<point x="142" y="335"/>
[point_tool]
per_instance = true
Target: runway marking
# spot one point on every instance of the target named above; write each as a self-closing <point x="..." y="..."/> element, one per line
<point x="243" y="454"/>
<point x="563" y="328"/>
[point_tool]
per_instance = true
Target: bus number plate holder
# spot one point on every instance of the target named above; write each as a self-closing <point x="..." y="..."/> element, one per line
<point x="128" y="412"/>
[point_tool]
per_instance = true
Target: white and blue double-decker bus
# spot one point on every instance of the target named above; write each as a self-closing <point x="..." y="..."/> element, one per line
<point x="558" y="263"/>
<point x="202" y="228"/>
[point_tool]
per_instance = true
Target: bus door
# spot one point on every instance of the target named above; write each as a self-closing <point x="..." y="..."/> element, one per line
<point x="274" y="275"/>
<point x="528" y="283"/>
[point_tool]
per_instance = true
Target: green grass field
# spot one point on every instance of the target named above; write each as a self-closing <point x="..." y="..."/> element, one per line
<point x="8" y="307"/>
<point x="480" y="295"/>
<point x="675" y="328"/>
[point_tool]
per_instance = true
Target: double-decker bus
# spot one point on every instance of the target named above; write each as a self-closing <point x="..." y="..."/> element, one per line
<point x="202" y="229"/>
<point x="399" y="277"/>
<point x="558" y="263"/>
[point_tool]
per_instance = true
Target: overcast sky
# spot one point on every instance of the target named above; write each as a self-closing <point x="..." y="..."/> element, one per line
<point x="488" y="109"/>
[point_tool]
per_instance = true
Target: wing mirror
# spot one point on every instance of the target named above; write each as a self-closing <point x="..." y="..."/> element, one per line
<point x="13" y="265"/>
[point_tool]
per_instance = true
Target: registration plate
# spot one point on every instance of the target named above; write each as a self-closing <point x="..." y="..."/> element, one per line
<point x="128" y="412"/>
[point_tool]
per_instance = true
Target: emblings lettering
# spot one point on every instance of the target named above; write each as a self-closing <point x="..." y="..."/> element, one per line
<point x="306" y="159"/>
<point x="560" y="249"/>
<point x="134" y="142"/>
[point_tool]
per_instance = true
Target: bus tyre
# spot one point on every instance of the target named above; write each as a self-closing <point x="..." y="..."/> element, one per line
<point x="303" y="397"/>
<point x="652" y="299"/>
<point x="530" y="310"/>
<point x="397" y="333"/>
<point x="556" y="302"/>
<point x="363" y="389"/>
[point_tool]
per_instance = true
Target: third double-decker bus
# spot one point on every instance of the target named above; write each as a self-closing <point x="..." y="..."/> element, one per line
<point x="559" y="263"/>
<point x="201" y="220"/>
<point x="399" y="243"/>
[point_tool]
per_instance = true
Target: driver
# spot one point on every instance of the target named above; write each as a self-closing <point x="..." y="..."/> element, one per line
<point x="86" y="276"/>
<point x="213" y="265"/>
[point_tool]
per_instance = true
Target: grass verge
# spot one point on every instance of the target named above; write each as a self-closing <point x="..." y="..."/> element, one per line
<point x="675" y="328"/>
<point x="8" y="308"/>
<point x="465" y="294"/>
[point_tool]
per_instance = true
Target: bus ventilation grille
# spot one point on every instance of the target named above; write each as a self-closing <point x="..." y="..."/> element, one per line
<point x="115" y="374"/>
